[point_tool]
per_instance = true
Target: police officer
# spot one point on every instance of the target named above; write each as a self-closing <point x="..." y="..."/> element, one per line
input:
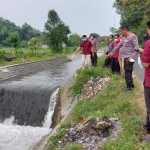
<point x="128" y="44"/>
<point x="107" y="61"/>
<point x="95" y="47"/>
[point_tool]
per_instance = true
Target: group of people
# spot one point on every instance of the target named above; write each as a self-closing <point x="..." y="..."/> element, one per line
<point x="121" y="54"/>
<point x="89" y="51"/>
<point x="116" y="61"/>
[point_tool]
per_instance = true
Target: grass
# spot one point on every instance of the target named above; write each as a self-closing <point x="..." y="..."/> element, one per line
<point x="112" y="102"/>
<point x="25" y="55"/>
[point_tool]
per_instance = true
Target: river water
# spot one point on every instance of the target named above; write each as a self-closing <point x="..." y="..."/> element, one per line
<point x="27" y="105"/>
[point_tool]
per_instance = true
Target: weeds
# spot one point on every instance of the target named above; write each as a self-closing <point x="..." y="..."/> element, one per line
<point x="111" y="102"/>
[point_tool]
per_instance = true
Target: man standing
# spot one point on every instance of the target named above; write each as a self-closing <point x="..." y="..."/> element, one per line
<point x="95" y="47"/>
<point x="128" y="45"/>
<point x="87" y="49"/>
<point x="146" y="64"/>
<point x="107" y="62"/>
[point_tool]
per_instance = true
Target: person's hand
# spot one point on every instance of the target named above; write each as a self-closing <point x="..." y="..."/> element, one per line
<point x="129" y="59"/>
<point x="140" y="51"/>
<point x="108" y="56"/>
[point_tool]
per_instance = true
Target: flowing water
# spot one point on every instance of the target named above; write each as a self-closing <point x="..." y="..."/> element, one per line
<point x="27" y="105"/>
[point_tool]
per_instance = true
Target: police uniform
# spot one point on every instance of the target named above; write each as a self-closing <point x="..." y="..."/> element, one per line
<point x="127" y="45"/>
<point x="107" y="61"/>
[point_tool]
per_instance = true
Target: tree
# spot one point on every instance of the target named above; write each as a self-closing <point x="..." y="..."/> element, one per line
<point x="13" y="40"/>
<point x="26" y="32"/>
<point x="96" y="35"/>
<point x="56" y="32"/>
<point x="75" y="39"/>
<point x="135" y="14"/>
<point x="114" y="30"/>
<point x="34" y="44"/>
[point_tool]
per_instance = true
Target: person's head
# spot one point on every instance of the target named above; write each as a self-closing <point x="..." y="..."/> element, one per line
<point x="125" y="30"/>
<point x="92" y="36"/>
<point x="148" y="27"/>
<point x="111" y="37"/>
<point x="84" y="38"/>
<point x="116" y="37"/>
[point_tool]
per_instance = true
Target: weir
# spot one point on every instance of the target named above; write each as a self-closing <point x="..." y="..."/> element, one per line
<point x="27" y="105"/>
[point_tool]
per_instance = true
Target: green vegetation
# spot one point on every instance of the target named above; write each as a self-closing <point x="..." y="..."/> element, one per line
<point x="13" y="39"/>
<point x="26" y="55"/>
<point x="112" y="102"/>
<point x="135" y="14"/>
<point x="56" y="32"/>
<point x="34" y="44"/>
<point x="26" y="32"/>
<point x="74" y="40"/>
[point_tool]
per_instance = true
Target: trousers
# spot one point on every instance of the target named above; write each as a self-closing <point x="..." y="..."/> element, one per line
<point x="121" y="63"/>
<point x="115" y="65"/>
<point x="94" y="59"/>
<point x="107" y="62"/>
<point x="86" y="58"/>
<point x="128" y="67"/>
<point x="147" y="102"/>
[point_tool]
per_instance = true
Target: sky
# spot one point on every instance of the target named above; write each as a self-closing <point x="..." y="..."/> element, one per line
<point x="82" y="16"/>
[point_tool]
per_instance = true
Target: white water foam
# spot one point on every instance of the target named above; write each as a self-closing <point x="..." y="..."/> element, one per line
<point x="16" y="137"/>
<point x="47" y="121"/>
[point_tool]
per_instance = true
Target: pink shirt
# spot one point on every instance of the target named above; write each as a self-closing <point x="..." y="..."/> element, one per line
<point x="116" y="55"/>
<point x="86" y="47"/>
<point x="146" y="59"/>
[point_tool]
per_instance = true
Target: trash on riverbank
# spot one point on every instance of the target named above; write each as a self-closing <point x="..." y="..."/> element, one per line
<point x="94" y="86"/>
<point x="92" y="133"/>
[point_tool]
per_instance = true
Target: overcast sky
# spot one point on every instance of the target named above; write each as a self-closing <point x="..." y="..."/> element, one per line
<point x="82" y="16"/>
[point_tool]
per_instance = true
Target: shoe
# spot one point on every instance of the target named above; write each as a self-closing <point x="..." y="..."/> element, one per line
<point x="145" y="138"/>
<point x="132" y="86"/>
<point x="127" y="89"/>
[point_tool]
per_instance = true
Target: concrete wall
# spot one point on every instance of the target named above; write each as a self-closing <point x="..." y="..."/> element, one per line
<point x="8" y="72"/>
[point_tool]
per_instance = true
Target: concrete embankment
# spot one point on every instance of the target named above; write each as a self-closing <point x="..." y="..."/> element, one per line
<point x="13" y="71"/>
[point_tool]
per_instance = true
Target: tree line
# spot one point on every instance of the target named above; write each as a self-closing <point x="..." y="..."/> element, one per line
<point x="135" y="14"/>
<point x="55" y="35"/>
<point x="25" y="33"/>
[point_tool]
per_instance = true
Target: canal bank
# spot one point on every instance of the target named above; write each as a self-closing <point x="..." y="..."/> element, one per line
<point x="112" y="102"/>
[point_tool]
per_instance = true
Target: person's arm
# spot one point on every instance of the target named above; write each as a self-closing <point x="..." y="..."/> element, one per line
<point x="77" y="50"/>
<point x="115" y="50"/>
<point x="96" y="44"/>
<point x="135" y="42"/>
<point x="92" y="50"/>
<point x="146" y="55"/>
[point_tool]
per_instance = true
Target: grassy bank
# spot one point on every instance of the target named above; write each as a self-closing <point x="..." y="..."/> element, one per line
<point x="112" y="102"/>
<point x="26" y="55"/>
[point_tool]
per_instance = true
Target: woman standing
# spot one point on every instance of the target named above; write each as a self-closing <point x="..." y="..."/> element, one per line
<point x="115" y="67"/>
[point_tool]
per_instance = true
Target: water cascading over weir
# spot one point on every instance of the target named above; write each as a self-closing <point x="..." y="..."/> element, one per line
<point x="28" y="106"/>
<point x="27" y="99"/>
